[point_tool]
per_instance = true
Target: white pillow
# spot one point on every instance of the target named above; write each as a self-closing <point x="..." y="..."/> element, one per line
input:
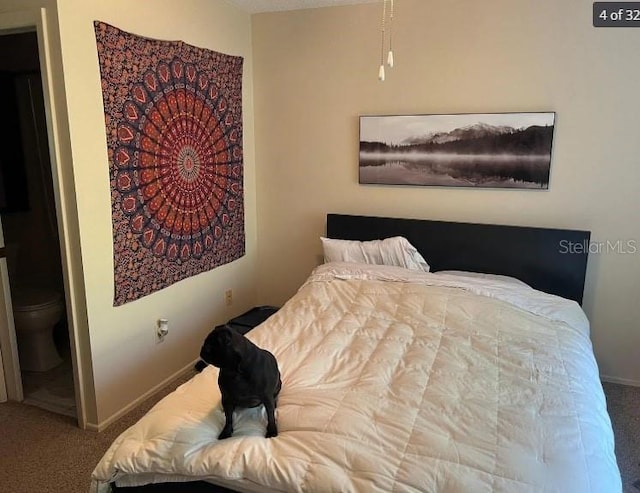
<point x="396" y="251"/>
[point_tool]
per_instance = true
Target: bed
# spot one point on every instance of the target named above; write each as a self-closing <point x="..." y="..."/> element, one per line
<point x="478" y="375"/>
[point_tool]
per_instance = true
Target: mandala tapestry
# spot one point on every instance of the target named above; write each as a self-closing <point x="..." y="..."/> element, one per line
<point x="173" y="116"/>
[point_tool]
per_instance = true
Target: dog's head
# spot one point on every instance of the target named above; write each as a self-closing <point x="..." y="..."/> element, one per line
<point x="220" y="348"/>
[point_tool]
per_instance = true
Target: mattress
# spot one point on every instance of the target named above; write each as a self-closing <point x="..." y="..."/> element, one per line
<point x="396" y="380"/>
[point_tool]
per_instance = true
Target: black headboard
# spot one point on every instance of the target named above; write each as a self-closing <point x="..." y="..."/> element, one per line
<point x="550" y="260"/>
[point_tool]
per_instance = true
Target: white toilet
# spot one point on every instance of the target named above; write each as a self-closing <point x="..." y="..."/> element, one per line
<point x="35" y="313"/>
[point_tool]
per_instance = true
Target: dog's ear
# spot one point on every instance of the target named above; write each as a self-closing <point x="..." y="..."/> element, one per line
<point x="225" y="335"/>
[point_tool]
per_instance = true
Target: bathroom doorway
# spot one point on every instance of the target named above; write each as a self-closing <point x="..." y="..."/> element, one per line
<point x="30" y="229"/>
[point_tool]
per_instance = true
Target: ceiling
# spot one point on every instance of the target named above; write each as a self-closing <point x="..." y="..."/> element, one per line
<point x="257" y="6"/>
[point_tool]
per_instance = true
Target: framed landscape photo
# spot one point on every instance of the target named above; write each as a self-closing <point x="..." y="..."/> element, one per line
<point x="486" y="150"/>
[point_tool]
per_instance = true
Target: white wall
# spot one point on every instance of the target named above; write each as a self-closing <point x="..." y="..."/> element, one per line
<point x="126" y="360"/>
<point x="316" y="72"/>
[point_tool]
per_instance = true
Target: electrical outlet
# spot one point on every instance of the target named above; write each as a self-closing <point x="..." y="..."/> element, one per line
<point x="162" y="329"/>
<point x="228" y="297"/>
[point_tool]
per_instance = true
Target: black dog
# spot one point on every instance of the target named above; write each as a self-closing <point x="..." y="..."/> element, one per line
<point x="248" y="377"/>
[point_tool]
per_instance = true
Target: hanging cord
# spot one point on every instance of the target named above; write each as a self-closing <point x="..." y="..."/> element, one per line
<point x="384" y="18"/>
<point x="390" y="56"/>
<point x="383" y="29"/>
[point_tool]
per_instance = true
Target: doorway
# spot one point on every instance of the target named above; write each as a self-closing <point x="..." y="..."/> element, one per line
<point x="30" y="229"/>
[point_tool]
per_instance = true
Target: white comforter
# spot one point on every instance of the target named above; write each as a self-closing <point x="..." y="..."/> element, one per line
<point x="397" y="381"/>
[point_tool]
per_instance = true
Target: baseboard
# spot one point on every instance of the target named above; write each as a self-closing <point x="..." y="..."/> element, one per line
<point x="114" y="417"/>
<point x="620" y="381"/>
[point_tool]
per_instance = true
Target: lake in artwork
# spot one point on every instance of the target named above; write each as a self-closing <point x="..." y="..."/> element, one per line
<point x="506" y="150"/>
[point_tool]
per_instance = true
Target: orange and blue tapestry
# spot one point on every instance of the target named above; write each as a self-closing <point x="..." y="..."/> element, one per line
<point x="173" y="116"/>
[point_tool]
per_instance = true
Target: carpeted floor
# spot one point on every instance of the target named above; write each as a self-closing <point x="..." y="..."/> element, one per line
<point x="623" y="403"/>
<point x="45" y="452"/>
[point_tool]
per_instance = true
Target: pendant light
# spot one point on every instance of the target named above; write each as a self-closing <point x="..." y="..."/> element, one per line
<point x="387" y="6"/>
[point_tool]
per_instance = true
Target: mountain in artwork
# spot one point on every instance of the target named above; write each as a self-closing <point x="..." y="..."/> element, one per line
<point x="479" y="138"/>
<point x="475" y="131"/>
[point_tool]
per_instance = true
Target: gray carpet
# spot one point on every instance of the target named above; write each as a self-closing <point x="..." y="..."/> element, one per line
<point x="45" y="452"/>
<point x="623" y="403"/>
